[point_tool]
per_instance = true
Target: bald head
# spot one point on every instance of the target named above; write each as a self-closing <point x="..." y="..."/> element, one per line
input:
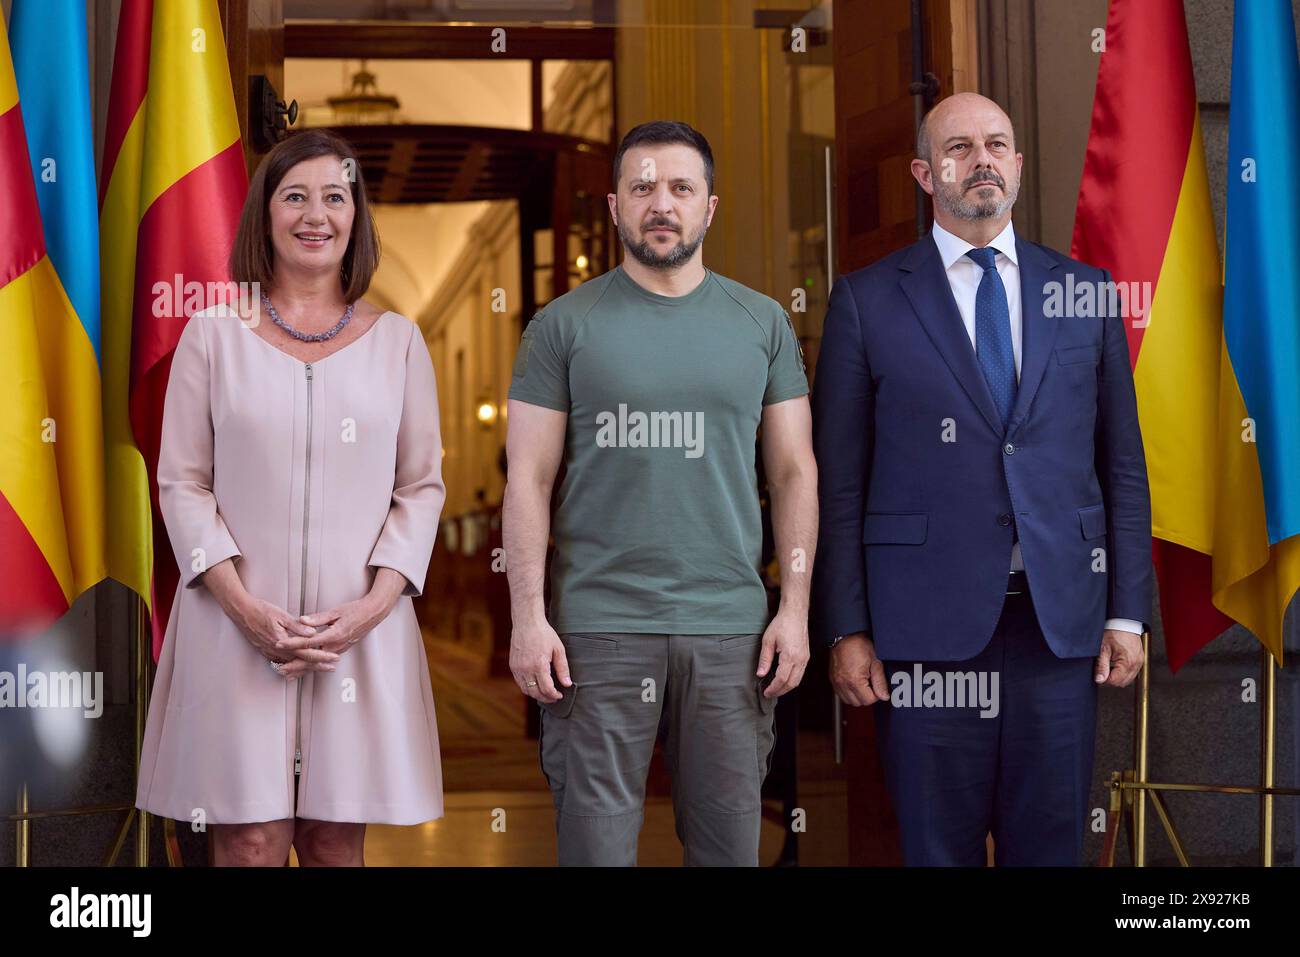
<point x="967" y="160"/>
<point x="957" y="112"/>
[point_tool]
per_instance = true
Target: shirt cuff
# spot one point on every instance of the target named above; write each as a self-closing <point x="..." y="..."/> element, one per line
<point x="1124" y="624"/>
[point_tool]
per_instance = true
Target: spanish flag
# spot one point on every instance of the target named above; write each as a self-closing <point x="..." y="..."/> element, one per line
<point x="1144" y="213"/>
<point x="173" y="187"/>
<point x="51" y="466"/>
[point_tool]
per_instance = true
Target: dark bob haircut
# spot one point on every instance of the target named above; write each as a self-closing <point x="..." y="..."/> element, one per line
<point x="252" y="256"/>
<point x="663" y="132"/>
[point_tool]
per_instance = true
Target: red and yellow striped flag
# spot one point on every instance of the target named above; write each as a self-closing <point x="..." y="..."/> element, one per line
<point x="173" y="186"/>
<point x="51" y="464"/>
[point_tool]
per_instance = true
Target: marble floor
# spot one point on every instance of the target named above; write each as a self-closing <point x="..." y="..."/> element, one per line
<point x="525" y="836"/>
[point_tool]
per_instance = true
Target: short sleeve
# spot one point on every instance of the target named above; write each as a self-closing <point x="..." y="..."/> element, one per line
<point x="786" y="376"/>
<point x="541" y="370"/>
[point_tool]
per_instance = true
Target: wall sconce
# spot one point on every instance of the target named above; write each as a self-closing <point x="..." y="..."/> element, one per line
<point x="486" y="412"/>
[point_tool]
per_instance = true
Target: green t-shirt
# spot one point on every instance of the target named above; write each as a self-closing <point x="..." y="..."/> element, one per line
<point x="658" y="528"/>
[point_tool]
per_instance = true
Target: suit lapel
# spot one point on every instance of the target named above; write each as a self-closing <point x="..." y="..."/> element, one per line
<point x="1037" y="329"/>
<point x="925" y="283"/>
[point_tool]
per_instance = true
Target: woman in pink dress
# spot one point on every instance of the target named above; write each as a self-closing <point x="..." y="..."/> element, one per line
<point x="301" y="484"/>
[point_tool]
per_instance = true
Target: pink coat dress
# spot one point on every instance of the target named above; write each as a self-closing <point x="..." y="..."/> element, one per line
<point x="311" y="475"/>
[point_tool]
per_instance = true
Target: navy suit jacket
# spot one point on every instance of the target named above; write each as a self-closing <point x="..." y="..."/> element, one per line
<point x="920" y="490"/>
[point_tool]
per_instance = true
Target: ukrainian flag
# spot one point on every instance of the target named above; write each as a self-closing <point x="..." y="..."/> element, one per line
<point x="1257" y="527"/>
<point x="51" y="469"/>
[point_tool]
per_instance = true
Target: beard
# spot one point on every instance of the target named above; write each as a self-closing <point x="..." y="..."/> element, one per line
<point x="952" y="199"/>
<point x="645" y="254"/>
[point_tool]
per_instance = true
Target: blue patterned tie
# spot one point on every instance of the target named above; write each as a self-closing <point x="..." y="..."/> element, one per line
<point x="993" y="333"/>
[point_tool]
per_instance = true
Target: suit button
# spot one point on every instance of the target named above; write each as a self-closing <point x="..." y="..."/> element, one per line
<point x="1009" y="449"/>
<point x="1004" y="519"/>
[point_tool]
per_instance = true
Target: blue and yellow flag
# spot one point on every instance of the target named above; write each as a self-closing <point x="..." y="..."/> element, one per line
<point x="1257" y="521"/>
<point x="52" y="466"/>
<point x="51" y="62"/>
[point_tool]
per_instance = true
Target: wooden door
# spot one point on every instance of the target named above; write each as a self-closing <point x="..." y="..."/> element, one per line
<point x="254" y="32"/>
<point x="877" y="211"/>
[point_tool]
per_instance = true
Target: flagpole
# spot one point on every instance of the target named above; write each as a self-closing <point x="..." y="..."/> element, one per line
<point x="1135" y="779"/>
<point x="1142" y="702"/>
<point x="143" y="653"/>
<point x="23" y="830"/>
<point x="1267" y="756"/>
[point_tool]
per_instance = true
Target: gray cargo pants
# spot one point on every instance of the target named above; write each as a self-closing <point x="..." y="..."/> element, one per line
<point x="597" y="741"/>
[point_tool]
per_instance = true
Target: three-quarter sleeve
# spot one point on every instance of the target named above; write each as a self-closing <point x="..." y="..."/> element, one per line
<point x="198" y="533"/>
<point x="406" y="541"/>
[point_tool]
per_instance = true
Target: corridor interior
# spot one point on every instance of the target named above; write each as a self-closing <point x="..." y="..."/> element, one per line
<point x="488" y="182"/>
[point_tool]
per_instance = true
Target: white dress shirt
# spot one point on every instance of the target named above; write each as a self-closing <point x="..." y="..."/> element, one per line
<point x="964" y="276"/>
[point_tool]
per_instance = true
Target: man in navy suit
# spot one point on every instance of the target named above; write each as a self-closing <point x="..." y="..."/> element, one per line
<point x="984" y="560"/>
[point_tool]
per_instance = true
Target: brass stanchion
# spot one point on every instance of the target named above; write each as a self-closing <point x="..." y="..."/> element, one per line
<point x="23" y="830"/>
<point x="1171" y="832"/>
<point x="1140" y="729"/>
<point x="174" y="858"/>
<point x="1127" y="785"/>
<point x="1267" y="757"/>
<point x="143" y="656"/>
<point x="22" y="819"/>
<point x="1135" y="779"/>
<point x="110" y="858"/>
<point x="1113" y="812"/>
<point x="77" y="811"/>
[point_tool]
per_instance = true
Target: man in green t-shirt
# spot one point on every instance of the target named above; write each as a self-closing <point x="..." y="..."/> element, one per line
<point x="650" y="383"/>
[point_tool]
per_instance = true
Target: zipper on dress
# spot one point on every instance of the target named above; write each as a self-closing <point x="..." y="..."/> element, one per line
<point x="302" y="590"/>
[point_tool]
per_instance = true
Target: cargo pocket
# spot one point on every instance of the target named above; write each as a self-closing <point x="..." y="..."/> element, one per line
<point x="553" y="747"/>
<point x="564" y="706"/>
<point x="765" y="725"/>
<point x="588" y="642"/>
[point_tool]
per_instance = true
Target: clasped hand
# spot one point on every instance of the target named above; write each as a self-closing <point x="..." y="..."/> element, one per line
<point x="313" y="642"/>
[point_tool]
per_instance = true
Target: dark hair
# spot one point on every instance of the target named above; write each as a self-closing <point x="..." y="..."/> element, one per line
<point x="661" y="132"/>
<point x="252" y="255"/>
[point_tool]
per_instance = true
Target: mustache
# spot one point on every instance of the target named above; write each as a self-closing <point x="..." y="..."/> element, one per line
<point x="659" y="222"/>
<point x="983" y="176"/>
